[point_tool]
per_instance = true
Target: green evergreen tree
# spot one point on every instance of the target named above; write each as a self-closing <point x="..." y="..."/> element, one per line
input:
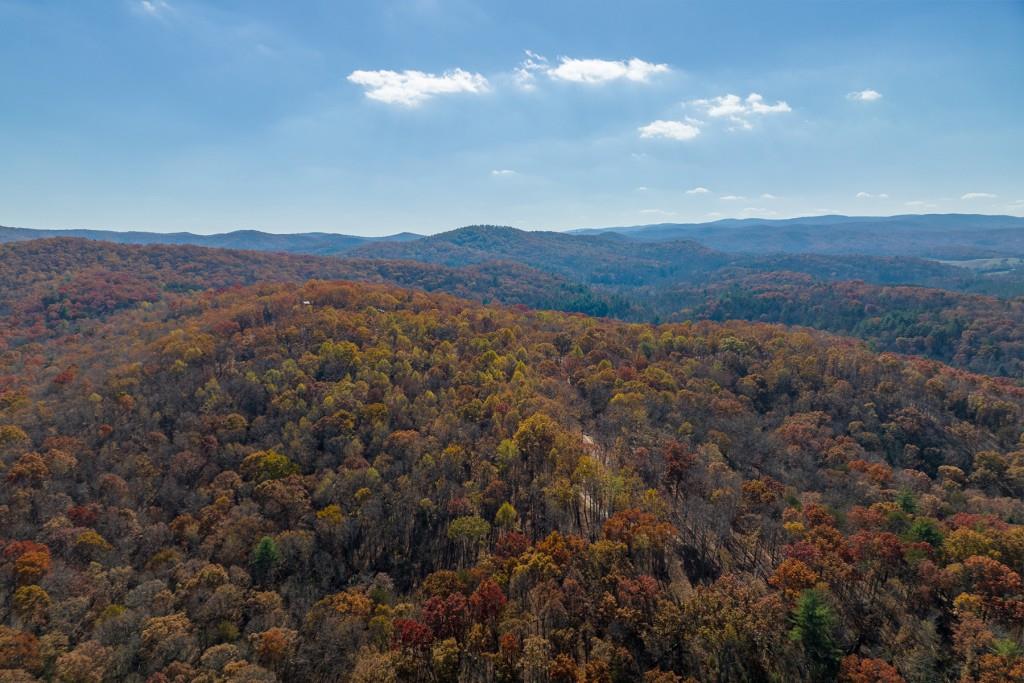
<point x="926" y="530"/>
<point x="813" y="624"/>
<point x="265" y="559"/>
<point x="907" y="501"/>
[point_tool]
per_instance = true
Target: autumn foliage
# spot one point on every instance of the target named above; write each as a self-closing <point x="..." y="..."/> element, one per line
<point x="383" y="484"/>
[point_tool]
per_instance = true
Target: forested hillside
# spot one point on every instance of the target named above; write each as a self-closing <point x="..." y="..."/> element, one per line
<point x="382" y="485"/>
<point x="613" y="260"/>
<point x="981" y="333"/>
<point x="62" y="286"/>
<point x="608" y="259"/>
<point x="53" y="287"/>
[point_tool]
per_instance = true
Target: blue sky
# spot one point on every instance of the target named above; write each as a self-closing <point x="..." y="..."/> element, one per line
<point x="424" y="115"/>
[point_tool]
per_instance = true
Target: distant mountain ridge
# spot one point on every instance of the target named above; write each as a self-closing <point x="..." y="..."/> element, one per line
<point x="593" y="259"/>
<point x="607" y="259"/>
<point x="940" y="236"/>
<point x="933" y="236"/>
<point x="317" y="243"/>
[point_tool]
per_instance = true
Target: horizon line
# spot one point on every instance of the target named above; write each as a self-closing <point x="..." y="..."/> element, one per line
<point x="724" y="219"/>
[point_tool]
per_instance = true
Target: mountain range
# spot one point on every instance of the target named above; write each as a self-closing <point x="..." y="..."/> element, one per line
<point x="937" y="236"/>
<point x="321" y="243"/>
<point x="946" y="236"/>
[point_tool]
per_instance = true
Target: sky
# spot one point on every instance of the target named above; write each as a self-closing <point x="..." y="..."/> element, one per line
<point x="385" y="116"/>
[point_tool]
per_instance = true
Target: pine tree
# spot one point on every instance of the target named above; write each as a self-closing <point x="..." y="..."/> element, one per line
<point x="813" y="625"/>
<point x="265" y="559"/>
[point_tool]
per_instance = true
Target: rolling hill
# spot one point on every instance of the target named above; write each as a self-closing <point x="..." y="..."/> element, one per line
<point x="245" y="486"/>
<point x="299" y="243"/>
<point x="621" y="263"/>
<point x="63" y="286"/>
<point x="940" y="236"/>
<point x="936" y="236"/>
<point x="55" y="287"/>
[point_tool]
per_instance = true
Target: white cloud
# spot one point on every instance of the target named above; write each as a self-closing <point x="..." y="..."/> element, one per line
<point x="978" y="195"/>
<point x="868" y="195"/>
<point x="714" y="214"/>
<point x="920" y="204"/>
<point x="756" y="104"/>
<point x="726" y="105"/>
<point x="731" y="198"/>
<point x="525" y="73"/>
<point x="864" y="95"/>
<point x="768" y="195"/>
<point x="641" y="189"/>
<point x="411" y="88"/>
<point x="740" y="110"/>
<point x="698" y="190"/>
<point x="590" y="71"/>
<point x="153" y="8"/>
<point x="658" y="212"/>
<point x="673" y="130"/>
<point x="503" y="171"/>
<point x="602" y="70"/>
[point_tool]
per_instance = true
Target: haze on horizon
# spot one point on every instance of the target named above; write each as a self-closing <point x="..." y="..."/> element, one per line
<point x="424" y="115"/>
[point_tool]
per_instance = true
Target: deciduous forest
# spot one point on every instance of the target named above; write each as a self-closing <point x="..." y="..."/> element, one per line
<point x="230" y="466"/>
<point x="455" y="341"/>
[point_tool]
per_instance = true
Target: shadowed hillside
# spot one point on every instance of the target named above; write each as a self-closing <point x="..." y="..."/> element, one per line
<point x="615" y="261"/>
